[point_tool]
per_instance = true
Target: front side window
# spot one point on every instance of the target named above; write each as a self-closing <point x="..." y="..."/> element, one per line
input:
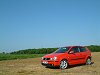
<point x="62" y="50"/>
<point x="76" y="49"/>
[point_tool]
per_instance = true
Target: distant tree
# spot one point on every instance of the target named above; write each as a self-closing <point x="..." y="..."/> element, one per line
<point x="3" y="53"/>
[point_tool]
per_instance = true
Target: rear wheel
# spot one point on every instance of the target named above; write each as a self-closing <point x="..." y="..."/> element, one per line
<point x="63" y="64"/>
<point x="88" y="61"/>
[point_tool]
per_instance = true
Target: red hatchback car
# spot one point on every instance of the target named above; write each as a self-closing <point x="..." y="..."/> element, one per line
<point x="65" y="56"/>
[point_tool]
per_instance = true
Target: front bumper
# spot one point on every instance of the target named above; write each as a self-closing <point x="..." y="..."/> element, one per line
<point x="50" y="63"/>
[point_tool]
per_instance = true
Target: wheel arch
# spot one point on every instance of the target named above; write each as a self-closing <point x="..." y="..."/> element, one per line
<point x="88" y="57"/>
<point x="64" y="59"/>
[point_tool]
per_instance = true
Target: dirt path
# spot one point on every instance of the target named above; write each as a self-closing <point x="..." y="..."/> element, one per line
<point x="32" y="66"/>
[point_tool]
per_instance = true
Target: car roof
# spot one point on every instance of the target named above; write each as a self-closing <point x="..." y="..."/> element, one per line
<point x="74" y="46"/>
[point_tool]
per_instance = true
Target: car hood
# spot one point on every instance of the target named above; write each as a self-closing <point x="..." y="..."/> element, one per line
<point x="53" y="54"/>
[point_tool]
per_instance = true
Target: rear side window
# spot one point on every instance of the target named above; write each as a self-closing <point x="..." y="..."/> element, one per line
<point x="82" y="49"/>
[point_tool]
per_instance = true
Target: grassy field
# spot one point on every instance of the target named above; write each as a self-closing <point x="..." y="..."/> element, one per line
<point x="18" y="56"/>
<point x="32" y="66"/>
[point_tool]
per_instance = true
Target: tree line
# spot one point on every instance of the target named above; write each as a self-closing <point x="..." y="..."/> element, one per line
<point x="35" y="51"/>
<point x="93" y="48"/>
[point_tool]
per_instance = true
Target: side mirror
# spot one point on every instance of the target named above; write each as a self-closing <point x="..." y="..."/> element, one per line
<point x="71" y="52"/>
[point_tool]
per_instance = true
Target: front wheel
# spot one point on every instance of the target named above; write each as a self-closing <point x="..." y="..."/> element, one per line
<point x="88" y="61"/>
<point x="63" y="64"/>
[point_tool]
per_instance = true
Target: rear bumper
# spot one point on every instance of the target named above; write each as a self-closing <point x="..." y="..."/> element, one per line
<point x="51" y="63"/>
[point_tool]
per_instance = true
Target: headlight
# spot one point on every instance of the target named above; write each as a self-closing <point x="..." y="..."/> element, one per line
<point x="55" y="58"/>
<point x="51" y="58"/>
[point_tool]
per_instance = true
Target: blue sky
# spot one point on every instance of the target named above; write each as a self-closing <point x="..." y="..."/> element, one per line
<point x="48" y="23"/>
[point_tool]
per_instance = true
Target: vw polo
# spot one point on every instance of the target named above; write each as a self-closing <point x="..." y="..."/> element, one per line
<point x="65" y="56"/>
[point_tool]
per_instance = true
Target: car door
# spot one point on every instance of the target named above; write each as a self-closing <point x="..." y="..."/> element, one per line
<point x="83" y="54"/>
<point x="74" y="57"/>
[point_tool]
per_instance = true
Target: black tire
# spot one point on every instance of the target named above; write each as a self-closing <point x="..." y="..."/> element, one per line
<point x="88" y="61"/>
<point x="63" y="64"/>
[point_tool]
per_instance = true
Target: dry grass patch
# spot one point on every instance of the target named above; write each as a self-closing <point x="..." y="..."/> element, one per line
<point x="32" y="66"/>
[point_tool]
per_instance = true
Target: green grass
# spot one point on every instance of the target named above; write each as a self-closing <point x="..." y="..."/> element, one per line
<point x="18" y="56"/>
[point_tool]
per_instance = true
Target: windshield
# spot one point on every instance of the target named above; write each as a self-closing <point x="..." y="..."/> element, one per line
<point x="62" y="50"/>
